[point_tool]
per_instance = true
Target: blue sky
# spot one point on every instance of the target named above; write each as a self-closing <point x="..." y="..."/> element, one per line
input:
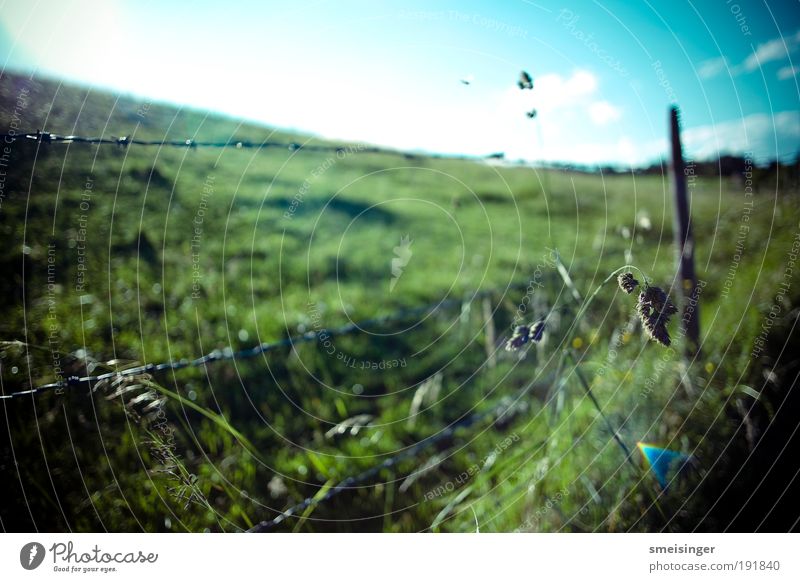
<point x="389" y="73"/>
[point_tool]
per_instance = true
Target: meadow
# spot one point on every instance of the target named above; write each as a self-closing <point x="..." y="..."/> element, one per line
<point x="115" y="256"/>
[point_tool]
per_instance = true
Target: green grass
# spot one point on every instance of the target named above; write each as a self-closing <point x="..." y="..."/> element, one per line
<point x="253" y="433"/>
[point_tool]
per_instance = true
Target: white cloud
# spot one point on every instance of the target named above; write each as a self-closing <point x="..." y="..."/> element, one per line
<point x="602" y="112"/>
<point x="774" y="50"/>
<point x="554" y="91"/>
<point x="787" y="72"/>
<point x="777" y="49"/>
<point x="766" y="136"/>
<point x="568" y="109"/>
<point x="621" y="151"/>
<point x="711" y="67"/>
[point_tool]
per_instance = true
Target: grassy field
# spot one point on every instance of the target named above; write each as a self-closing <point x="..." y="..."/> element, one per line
<point x="118" y="256"/>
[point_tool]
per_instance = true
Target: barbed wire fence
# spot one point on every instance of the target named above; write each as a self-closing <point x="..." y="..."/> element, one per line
<point x="228" y="354"/>
<point x="46" y="137"/>
<point x="504" y="407"/>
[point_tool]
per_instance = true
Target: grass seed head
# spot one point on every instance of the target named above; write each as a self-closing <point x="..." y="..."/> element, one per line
<point x="627" y="282"/>
<point x="655" y="309"/>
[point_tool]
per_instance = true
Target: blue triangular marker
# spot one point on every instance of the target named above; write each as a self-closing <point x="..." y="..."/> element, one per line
<point x="661" y="461"/>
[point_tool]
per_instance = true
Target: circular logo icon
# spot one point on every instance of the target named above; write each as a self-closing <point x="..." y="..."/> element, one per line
<point x="31" y="555"/>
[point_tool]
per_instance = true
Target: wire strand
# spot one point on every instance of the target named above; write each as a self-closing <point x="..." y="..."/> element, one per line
<point x="125" y="141"/>
<point x="227" y="354"/>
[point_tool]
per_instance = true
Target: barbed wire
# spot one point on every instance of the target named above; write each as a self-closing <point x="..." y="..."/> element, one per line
<point x="505" y="406"/>
<point x="125" y="141"/>
<point x="227" y="354"/>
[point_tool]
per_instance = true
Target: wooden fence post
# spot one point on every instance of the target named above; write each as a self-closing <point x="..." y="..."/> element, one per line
<point x="687" y="280"/>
